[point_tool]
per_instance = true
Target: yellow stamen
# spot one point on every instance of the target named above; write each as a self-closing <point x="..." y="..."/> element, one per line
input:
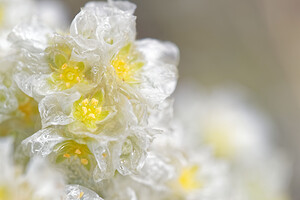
<point x="66" y="155"/>
<point x="126" y="64"/>
<point x="91" y="115"/>
<point x="78" y="151"/>
<point x="84" y="110"/>
<point x="84" y="161"/>
<point x="85" y="102"/>
<point x="94" y="102"/>
<point x="68" y="85"/>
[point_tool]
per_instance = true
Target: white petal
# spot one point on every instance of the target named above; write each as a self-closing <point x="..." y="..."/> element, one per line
<point x="56" y="109"/>
<point x="77" y="192"/>
<point x="159" y="74"/>
<point x="106" y="25"/>
<point x="42" y="142"/>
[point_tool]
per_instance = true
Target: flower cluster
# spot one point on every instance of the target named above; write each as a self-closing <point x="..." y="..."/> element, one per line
<point x="96" y="88"/>
<point x="90" y="107"/>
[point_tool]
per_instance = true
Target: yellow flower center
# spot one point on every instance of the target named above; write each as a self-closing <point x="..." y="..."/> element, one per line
<point x="69" y="74"/>
<point x="188" y="179"/>
<point x="72" y="150"/>
<point x="66" y="73"/>
<point x="127" y="64"/>
<point x="90" y="111"/>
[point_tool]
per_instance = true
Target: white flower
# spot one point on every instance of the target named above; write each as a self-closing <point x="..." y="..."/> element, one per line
<point x="224" y="121"/>
<point x="236" y="132"/>
<point x="145" y="68"/>
<point x="38" y="182"/>
<point x="97" y="91"/>
<point x="173" y="173"/>
<point x="13" y="12"/>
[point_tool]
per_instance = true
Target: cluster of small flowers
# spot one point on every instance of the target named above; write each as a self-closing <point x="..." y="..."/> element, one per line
<point x="91" y="114"/>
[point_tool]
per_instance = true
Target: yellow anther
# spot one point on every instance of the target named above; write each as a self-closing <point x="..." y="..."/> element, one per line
<point x="84" y="161"/>
<point x="68" y="85"/>
<point x="61" y="76"/>
<point x="78" y="79"/>
<point x="104" y="155"/>
<point x="94" y="102"/>
<point x="85" y="102"/>
<point x="76" y="67"/>
<point x="84" y="110"/>
<point x="64" y="66"/>
<point x="92" y="115"/>
<point x="78" y="151"/>
<point x="66" y="155"/>
<point x="126" y="64"/>
<point x="81" y="194"/>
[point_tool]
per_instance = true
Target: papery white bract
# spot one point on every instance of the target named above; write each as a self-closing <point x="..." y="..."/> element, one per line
<point x="38" y="182"/>
<point x="170" y="173"/>
<point x="97" y="87"/>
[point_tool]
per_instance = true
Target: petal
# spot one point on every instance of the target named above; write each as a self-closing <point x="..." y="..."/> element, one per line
<point x="159" y="74"/>
<point x="56" y="109"/>
<point x="77" y="192"/>
<point x="104" y="25"/>
<point x="42" y="142"/>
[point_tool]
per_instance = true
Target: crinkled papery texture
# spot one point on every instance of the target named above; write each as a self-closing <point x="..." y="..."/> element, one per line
<point x="77" y="192"/>
<point x="14" y="12"/>
<point x="159" y="74"/>
<point x="50" y="63"/>
<point x="104" y="25"/>
<point x="174" y="177"/>
<point x="125" y="153"/>
<point x="42" y="142"/>
<point x="56" y="109"/>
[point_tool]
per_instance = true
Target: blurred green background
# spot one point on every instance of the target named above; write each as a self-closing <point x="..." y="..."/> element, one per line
<point x="251" y="43"/>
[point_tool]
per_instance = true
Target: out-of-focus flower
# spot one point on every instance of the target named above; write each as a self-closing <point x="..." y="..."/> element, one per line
<point x="236" y="132"/>
<point x="224" y="121"/>
<point x="174" y="173"/>
<point x="39" y="182"/>
<point x="97" y="88"/>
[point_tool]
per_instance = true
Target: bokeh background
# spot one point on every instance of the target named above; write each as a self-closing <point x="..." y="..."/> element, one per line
<point x="254" y="44"/>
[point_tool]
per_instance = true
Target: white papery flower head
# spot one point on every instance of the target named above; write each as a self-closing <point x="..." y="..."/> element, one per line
<point x="223" y="120"/>
<point x="173" y="173"/>
<point x="38" y="182"/>
<point x="14" y="12"/>
<point x="235" y="131"/>
<point x="96" y="88"/>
